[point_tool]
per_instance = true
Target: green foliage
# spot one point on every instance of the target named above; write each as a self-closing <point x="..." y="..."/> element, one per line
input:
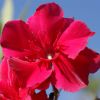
<point x="7" y="11"/>
<point x="0" y="27"/>
<point x="94" y="86"/>
<point x="0" y="33"/>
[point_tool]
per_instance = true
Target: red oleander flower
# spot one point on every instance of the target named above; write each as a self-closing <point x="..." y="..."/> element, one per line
<point x="8" y="92"/>
<point x="11" y="90"/>
<point x="48" y="48"/>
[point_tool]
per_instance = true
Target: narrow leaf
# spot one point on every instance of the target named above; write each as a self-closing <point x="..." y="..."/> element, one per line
<point x="7" y="11"/>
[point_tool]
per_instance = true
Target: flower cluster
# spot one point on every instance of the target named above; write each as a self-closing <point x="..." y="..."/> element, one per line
<point x="47" y="49"/>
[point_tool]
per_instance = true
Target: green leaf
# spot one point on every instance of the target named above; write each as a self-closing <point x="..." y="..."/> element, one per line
<point x="93" y="86"/>
<point x="7" y="11"/>
<point x="1" y="54"/>
<point x="0" y="27"/>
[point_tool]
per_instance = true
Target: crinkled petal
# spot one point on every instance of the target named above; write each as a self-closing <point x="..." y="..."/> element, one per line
<point x="43" y="16"/>
<point x="44" y="85"/>
<point x="74" y="39"/>
<point x="87" y="61"/>
<point x="8" y="91"/>
<point x="16" y="35"/>
<point x="17" y="40"/>
<point x="24" y="94"/>
<point x="4" y="70"/>
<point x="14" y="53"/>
<point x="40" y="75"/>
<point x="6" y="75"/>
<point x="2" y="97"/>
<point x="64" y="76"/>
<point x="59" y="27"/>
<point x="42" y="22"/>
<point x="30" y="74"/>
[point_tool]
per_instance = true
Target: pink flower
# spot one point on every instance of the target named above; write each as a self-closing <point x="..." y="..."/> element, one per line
<point x="11" y="90"/>
<point x="9" y="93"/>
<point x="48" y="48"/>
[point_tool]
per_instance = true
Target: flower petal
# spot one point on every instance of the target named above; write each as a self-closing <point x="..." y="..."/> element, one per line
<point x="2" y="97"/>
<point x="14" y="53"/>
<point x="40" y="75"/>
<point x="24" y="94"/>
<point x="30" y="74"/>
<point x="8" y="91"/>
<point x="15" y="35"/>
<point x="59" y="27"/>
<point x="4" y="70"/>
<point x="74" y="39"/>
<point x="65" y="76"/>
<point x="44" y="85"/>
<point x="87" y="60"/>
<point x="42" y="21"/>
<point x="40" y="96"/>
<point x="6" y="75"/>
<point x="43" y="16"/>
<point x="17" y="40"/>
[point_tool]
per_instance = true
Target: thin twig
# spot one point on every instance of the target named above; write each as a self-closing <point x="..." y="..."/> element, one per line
<point x="51" y="96"/>
<point x="54" y="95"/>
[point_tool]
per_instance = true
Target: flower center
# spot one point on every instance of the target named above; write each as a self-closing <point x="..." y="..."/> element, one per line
<point x="49" y="56"/>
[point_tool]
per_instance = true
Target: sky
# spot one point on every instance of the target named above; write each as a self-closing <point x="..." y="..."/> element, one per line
<point x="85" y="10"/>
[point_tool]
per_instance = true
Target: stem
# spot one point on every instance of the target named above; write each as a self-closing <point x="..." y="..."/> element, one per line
<point x="54" y="95"/>
<point x="51" y="96"/>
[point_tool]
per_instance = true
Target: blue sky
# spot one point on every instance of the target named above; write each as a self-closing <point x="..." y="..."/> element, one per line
<point x="86" y="10"/>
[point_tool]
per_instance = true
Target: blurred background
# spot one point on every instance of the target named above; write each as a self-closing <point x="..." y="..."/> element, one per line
<point x="86" y="10"/>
